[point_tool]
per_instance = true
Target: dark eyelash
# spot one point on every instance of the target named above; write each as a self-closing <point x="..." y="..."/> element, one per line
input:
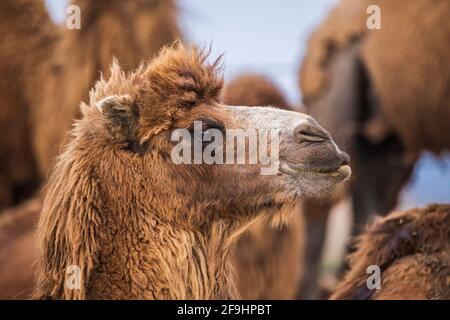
<point x="209" y="123"/>
<point x="214" y="124"/>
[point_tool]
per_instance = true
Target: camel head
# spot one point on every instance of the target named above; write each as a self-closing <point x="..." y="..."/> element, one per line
<point x="198" y="153"/>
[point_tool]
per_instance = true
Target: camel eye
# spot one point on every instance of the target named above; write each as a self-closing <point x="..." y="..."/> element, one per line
<point x="206" y="123"/>
<point x="210" y="123"/>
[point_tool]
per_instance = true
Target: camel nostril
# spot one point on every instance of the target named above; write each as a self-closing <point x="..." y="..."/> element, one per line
<point x="311" y="133"/>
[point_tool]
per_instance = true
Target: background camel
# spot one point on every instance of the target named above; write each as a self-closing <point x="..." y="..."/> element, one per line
<point x="412" y="249"/>
<point x="20" y="22"/>
<point x="47" y="70"/>
<point x="131" y="31"/>
<point x="268" y="260"/>
<point x="118" y="207"/>
<point x="254" y="90"/>
<point x="383" y="94"/>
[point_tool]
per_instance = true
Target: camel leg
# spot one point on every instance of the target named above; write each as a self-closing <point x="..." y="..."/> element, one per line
<point x="316" y="216"/>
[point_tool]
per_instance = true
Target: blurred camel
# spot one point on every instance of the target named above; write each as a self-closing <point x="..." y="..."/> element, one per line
<point x="412" y="250"/>
<point x="383" y="95"/>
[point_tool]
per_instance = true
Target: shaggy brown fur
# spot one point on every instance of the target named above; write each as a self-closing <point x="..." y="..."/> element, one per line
<point x="407" y="59"/>
<point x="412" y="249"/>
<point x="137" y="224"/>
<point x="268" y="261"/>
<point x="17" y="252"/>
<point x="128" y="260"/>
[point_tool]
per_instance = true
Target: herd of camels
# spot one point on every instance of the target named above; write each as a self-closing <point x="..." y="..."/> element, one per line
<point x="86" y="177"/>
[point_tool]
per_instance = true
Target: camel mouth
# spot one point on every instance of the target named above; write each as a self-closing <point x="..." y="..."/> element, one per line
<point x="342" y="171"/>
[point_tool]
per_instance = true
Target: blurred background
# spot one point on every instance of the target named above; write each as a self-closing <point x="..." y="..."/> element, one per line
<point x="272" y="41"/>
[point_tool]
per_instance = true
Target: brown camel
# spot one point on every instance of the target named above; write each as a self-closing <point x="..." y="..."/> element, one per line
<point x="383" y="95"/>
<point x="47" y="70"/>
<point x="138" y="225"/>
<point x="267" y="259"/>
<point x="412" y="250"/>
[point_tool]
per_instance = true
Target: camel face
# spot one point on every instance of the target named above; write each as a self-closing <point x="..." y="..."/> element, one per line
<point x="303" y="157"/>
<point x="220" y="158"/>
<point x="297" y="158"/>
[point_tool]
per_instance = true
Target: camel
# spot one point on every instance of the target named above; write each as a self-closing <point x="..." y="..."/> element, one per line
<point x="412" y="250"/>
<point x="383" y="95"/>
<point x="135" y="223"/>
<point x="268" y="260"/>
<point x="19" y="21"/>
<point x="49" y="69"/>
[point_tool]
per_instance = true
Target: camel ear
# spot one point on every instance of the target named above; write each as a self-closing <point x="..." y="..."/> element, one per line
<point x="121" y="116"/>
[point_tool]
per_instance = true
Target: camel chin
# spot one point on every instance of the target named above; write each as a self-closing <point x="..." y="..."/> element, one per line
<point x="315" y="183"/>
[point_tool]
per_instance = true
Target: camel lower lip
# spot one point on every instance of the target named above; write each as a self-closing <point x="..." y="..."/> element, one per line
<point x="343" y="171"/>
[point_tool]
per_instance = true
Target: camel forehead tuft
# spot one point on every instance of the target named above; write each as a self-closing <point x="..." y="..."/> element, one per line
<point x="182" y="75"/>
<point x="118" y="84"/>
<point x="179" y="77"/>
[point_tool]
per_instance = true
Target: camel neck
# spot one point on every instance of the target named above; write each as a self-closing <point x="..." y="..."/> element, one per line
<point x="202" y="261"/>
<point x="171" y="263"/>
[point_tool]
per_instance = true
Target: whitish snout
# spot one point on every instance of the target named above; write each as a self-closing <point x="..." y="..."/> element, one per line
<point x="304" y="146"/>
